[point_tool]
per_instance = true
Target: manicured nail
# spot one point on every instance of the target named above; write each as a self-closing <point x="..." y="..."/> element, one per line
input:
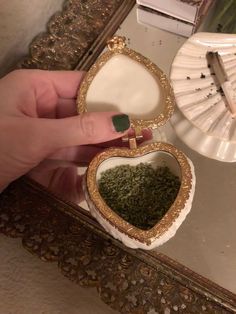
<point x="121" y="122"/>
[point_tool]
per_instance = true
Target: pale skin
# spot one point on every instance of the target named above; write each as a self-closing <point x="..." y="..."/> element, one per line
<point x="41" y="134"/>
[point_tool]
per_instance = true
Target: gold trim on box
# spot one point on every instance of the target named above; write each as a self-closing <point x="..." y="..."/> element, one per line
<point x="160" y="77"/>
<point x="115" y="220"/>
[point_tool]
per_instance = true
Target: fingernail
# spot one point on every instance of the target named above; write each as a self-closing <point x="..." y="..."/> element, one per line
<point x="121" y="122"/>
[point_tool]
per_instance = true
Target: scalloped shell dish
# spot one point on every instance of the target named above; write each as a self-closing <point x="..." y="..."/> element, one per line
<point x="126" y="81"/>
<point x="204" y="122"/>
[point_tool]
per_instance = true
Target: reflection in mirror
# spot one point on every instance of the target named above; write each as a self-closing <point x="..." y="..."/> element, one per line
<point x="206" y="240"/>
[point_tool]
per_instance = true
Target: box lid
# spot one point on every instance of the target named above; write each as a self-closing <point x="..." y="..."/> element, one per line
<point x="124" y="80"/>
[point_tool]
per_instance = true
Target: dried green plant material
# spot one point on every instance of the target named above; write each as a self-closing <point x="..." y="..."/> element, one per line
<point x="140" y="194"/>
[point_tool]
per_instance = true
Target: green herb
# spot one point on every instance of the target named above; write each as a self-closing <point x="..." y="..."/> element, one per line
<point x="140" y="194"/>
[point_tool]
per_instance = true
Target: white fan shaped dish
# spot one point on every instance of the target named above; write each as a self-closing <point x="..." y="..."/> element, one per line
<point x="203" y="143"/>
<point x="211" y="128"/>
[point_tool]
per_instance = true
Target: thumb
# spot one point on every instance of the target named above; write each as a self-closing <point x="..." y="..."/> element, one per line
<point x="87" y="128"/>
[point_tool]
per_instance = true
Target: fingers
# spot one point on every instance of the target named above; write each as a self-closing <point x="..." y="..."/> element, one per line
<point x="64" y="182"/>
<point x="62" y="108"/>
<point x="88" y="128"/>
<point x="37" y="93"/>
<point x="66" y="108"/>
<point x="65" y="83"/>
<point x="85" y="153"/>
<point x="147" y="135"/>
<point x="55" y="92"/>
<point x="78" y="154"/>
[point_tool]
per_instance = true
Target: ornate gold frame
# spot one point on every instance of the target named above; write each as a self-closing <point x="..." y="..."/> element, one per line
<point x="131" y="281"/>
<point x="76" y="36"/>
<point x="123" y="226"/>
<point x="117" y="46"/>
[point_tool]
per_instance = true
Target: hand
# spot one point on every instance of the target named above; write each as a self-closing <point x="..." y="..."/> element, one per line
<point x="40" y="132"/>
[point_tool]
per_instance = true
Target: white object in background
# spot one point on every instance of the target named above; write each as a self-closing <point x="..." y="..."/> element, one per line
<point x="203" y="143"/>
<point x="217" y="65"/>
<point x="200" y="100"/>
<point x="230" y="95"/>
<point x="180" y="10"/>
<point x="164" y="22"/>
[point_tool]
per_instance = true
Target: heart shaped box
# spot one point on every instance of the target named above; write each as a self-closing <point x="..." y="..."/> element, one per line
<point x="124" y="80"/>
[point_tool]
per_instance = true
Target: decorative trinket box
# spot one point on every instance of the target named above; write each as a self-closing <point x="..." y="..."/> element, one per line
<point x="124" y="80"/>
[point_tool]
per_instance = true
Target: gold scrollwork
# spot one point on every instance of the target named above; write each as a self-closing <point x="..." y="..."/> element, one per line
<point x="130" y="281"/>
<point x="144" y="236"/>
<point x="117" y="46"/>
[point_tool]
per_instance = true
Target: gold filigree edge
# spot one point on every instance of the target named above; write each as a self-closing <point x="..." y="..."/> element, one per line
<point x="208" y="291"/>
<point x="115" y="220"/>
<point x="159" y="76"/>
<point x="178" y="280"/>
<point x="72" y="33"/>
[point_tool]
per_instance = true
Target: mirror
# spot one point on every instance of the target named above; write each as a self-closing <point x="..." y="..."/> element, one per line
<point x="205" y="243"/>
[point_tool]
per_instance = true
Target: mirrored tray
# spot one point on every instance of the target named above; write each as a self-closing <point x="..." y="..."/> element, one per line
<point x="55" y="230"/>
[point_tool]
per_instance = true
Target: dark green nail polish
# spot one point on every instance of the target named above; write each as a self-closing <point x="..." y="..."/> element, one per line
<point x="121" y="122"/>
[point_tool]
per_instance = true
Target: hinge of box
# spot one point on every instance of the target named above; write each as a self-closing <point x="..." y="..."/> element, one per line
<point x="133" y="138"/>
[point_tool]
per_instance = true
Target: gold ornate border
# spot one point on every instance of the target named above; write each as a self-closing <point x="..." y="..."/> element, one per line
<point x="76" y="35"/>
<point x="115" y="220"/>
<point x="157" y="73"/>
<point x="130" y="281"/>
